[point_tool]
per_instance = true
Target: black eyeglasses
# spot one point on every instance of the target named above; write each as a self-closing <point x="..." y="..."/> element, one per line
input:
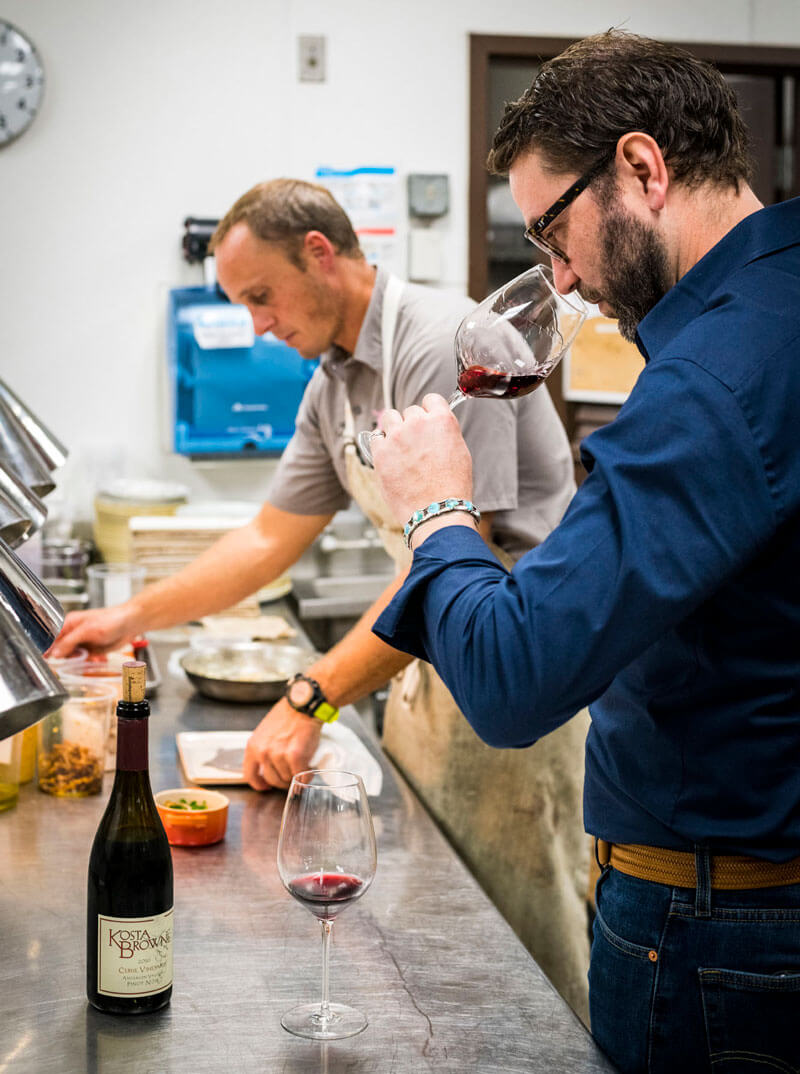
<point x="533" y="233"/>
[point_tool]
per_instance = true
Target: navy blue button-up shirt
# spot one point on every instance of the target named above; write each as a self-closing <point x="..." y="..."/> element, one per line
<point x="668" y="598"/>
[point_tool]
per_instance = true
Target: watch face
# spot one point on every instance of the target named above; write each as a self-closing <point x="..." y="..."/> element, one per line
<point x="301" y="692"/>
<point x="21" y="82"/>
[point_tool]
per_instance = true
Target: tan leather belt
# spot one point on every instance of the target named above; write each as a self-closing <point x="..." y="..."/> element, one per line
<point x="676" y="868"/>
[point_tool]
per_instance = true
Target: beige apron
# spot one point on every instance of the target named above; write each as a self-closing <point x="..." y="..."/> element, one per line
<point x="514" y="816"/>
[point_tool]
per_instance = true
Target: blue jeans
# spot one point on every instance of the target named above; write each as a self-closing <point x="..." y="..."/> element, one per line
<point x="684" y="981"/>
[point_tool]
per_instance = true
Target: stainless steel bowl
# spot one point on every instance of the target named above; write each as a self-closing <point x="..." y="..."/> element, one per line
<point x="246" y="671"/>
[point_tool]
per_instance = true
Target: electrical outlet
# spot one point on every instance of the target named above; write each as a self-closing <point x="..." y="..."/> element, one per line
<point x="311" y="58"/>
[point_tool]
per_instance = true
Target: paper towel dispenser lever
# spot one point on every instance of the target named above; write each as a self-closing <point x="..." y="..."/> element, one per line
<point x="197" y="234"/>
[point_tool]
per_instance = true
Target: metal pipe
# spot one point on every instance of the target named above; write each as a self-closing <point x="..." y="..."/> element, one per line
<point x="47" y="443"/>
<point x="22" y="513"/>
<point x="28" y="688"/>
<point x="27" y="601"/>
<point x="18" y="453"/>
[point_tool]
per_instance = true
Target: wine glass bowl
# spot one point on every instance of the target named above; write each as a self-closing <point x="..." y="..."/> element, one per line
<point x="326" y="860"/>
<point x="510" y="342"/>
<point x="513" y="340"/>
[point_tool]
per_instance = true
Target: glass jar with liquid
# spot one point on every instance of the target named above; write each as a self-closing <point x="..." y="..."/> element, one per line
<point x="10" y="758"/>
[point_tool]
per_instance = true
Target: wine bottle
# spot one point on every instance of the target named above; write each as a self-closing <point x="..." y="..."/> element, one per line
<point x="129" y="916"/>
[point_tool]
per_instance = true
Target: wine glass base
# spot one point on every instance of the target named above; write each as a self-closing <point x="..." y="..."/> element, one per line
<point x="307" y="1021"/>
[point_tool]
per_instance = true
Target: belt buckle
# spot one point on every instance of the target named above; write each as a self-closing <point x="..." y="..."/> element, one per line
<point x="602" y="852"/>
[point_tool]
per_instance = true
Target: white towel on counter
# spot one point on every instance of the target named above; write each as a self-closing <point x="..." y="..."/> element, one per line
<point x="342" y="749"/>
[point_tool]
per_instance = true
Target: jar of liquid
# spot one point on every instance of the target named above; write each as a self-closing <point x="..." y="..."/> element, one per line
<point x="10" y="756"/>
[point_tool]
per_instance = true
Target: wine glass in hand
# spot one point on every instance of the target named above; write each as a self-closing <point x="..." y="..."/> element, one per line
<point x="326" y="860"/>
<point x="510" y="343"/>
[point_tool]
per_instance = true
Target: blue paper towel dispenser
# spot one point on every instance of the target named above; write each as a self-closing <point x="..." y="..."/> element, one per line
<point x="234" y="394"/>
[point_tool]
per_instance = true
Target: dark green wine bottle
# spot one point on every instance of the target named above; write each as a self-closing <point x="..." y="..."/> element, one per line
<point x="129" y="915"/>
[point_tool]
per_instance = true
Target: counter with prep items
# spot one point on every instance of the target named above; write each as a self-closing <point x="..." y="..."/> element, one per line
<point x="445" y="984"/>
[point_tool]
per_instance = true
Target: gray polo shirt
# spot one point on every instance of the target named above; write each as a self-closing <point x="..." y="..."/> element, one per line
<point x="522" y="464"/>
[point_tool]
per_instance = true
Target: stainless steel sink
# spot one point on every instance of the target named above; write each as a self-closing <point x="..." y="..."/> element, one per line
<point x="338" y="596"/>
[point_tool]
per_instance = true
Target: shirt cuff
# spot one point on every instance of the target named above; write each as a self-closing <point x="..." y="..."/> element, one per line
<point x="402" y="622"/>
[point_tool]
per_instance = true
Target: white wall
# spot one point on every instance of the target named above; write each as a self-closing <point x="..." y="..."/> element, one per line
<point x="158" y="109"/>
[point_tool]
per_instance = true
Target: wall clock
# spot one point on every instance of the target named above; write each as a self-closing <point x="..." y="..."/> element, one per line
<point x="21" y="82"/>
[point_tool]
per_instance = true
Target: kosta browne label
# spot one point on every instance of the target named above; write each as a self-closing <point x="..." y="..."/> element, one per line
<point x="134" y="955"/>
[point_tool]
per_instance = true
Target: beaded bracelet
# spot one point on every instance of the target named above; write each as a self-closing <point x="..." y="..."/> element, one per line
<point x="443" y="507"/>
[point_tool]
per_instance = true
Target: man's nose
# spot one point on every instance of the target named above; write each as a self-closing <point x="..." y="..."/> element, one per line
<point x="563" y="277"/>
<point x="263" y="321"/>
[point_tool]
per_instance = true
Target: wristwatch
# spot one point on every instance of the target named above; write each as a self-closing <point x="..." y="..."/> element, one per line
<point x="305" y="695"/>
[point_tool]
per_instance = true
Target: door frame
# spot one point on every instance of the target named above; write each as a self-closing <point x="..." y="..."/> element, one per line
<point x="768" y="60"/>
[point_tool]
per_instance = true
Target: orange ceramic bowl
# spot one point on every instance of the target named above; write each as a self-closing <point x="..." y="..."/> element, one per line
<point x="187" y="825"/>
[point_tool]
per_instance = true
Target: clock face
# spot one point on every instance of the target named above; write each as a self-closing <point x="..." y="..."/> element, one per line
<point x="21" y="83"/>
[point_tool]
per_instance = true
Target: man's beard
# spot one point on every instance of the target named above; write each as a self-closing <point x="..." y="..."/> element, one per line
<point x="635" y="268"/>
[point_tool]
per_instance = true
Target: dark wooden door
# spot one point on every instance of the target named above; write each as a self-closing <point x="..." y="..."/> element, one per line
<point x="767" y="83"/>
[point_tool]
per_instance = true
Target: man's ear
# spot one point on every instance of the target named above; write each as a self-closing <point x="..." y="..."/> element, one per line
<point x="641" y="169"/>
<point x="319" y="249"/>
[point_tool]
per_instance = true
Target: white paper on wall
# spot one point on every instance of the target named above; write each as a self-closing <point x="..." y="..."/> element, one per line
<point x="371" y="198"/>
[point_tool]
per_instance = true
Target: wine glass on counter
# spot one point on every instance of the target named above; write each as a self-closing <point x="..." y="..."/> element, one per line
<point x="510" y="343"/>
<point x="326" y="860"/>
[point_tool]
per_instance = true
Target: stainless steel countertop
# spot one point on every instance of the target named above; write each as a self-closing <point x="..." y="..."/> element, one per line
<point x="446" y="985"/>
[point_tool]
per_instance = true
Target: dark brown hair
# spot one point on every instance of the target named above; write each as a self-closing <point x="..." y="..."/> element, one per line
<point x="602" y="87"/>
<point x="283" y="211"/>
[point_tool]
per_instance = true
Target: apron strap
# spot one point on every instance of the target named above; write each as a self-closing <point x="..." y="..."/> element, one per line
<point x="391" y="304"/>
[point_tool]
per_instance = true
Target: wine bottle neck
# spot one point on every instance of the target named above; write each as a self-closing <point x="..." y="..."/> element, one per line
<point x="132" y="753"/>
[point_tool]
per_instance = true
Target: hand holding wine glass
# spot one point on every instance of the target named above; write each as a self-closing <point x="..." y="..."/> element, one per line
<point x="424" y="459"/>
<point x="510" y="343"/>
<point x="326" y="859"/>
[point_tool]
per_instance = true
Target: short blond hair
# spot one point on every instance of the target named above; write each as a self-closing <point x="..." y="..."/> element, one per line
<point x="283" y="211"/>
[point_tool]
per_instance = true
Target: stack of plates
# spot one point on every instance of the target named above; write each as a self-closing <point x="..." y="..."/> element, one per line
<point x="164" y="545"/>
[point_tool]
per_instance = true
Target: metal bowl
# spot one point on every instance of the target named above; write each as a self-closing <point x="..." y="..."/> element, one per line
<point x="246" y="671"/>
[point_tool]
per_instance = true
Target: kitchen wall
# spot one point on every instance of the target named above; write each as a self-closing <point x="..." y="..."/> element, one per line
<point x="158" y="109"/>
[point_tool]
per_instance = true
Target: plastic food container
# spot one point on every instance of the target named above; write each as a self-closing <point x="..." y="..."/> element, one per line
<point x="193" y="816"/>
<point x="121" y="500"/>
<point x="113" y="583"/>
<point x="67" y="665"/>
<point x="72" y="741"/>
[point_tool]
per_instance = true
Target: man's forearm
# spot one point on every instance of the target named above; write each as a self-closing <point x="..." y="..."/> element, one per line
<point x="360" y="662"/>
<point x="234" y="567"/>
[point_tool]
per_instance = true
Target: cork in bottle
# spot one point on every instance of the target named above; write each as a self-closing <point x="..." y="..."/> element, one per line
<point x="134" y="676"/>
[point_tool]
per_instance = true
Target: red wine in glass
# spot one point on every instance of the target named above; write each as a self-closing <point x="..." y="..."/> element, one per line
<point x="509" y="343"/>
<point x="326" y="859"/>
<point x="326" y="894"/>
<point x="481" y="383"/>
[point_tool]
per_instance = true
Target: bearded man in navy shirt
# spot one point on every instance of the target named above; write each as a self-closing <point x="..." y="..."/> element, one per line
<point x="668" y="599"/>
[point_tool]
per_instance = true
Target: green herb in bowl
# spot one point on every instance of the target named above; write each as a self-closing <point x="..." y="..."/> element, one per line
<point x="182" y="803"/>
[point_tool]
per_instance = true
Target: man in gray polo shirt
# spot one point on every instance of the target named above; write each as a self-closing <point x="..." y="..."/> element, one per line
<point x="288" y="252"/>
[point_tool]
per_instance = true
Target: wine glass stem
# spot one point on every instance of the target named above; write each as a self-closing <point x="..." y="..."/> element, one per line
<point x="324" y="1009"/>
<point x="456" y="399"/>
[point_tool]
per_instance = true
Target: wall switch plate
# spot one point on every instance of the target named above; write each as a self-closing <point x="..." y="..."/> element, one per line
<point x="311" y="58"/>
<point x="424" y="254"/>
